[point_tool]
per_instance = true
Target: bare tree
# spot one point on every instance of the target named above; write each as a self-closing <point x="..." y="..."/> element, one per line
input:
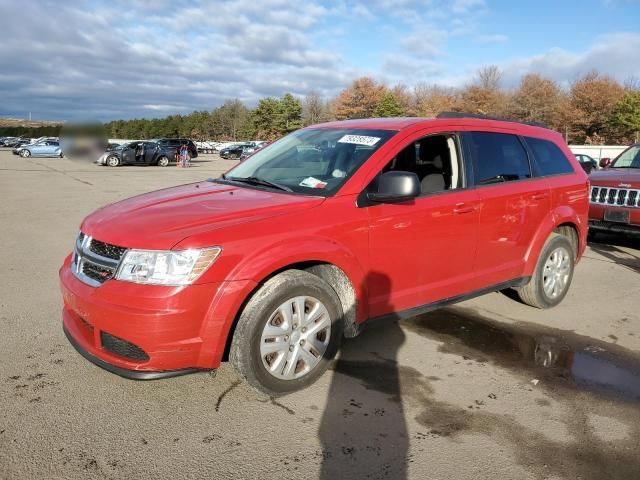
<point x="312" y="108"/>
<point x="489" y="78"/>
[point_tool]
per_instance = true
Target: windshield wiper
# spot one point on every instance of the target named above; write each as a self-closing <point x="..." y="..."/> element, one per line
<point x="257" y="181"/>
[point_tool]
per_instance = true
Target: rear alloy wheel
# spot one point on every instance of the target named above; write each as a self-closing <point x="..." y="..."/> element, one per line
<point x="25" y="153"/>
<point x="288" y="333"/>
<point x="163" y="161"/>
<point x="554" y="271"/>
<point x="113" y="161"/>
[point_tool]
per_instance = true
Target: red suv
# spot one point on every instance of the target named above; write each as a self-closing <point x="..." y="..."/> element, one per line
<point x="615" y="194"/>
<point x="309" y="239"/>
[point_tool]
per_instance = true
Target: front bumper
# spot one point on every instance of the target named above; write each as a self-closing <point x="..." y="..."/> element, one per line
<point x="171" y="330"/>
<point x="124" y="372"/>
<point x="597" y="220"/>
<point x="601" y="226"/>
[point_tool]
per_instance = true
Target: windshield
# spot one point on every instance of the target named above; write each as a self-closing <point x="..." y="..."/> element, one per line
<point x="630" y="158"/>
<point x="312" y="161"/>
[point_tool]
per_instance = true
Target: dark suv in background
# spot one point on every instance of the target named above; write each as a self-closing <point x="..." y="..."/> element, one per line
<point x="172" y="146"/>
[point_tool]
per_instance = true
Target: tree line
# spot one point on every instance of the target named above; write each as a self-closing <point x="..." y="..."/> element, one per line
<point x="593" y="109"/>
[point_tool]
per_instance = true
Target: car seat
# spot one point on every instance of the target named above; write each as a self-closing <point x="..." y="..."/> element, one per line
<point x="433" y="152"/>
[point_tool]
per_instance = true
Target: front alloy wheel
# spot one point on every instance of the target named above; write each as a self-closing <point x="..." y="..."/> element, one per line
<point x="288" y="333"/>
<point x="163" y="161"/>
<point x="113" y="161"/>
<point x="295" y="337"/>
<point x="25" y="153"/>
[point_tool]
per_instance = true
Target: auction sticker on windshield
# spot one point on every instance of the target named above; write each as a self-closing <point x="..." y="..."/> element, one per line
<point x="359" y="140"/>
<point x="313" y="183"/>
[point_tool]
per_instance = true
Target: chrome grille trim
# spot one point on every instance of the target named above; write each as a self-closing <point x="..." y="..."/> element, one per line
<point x="619" y="197"/>
<point x="83" y="257"/>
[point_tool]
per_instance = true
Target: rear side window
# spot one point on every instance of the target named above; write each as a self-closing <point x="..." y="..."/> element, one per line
<point x="497" y="157"/>
<point x="549" y="159"/>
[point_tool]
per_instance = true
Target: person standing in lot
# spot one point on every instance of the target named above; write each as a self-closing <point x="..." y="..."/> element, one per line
<point x="183" y="160"/>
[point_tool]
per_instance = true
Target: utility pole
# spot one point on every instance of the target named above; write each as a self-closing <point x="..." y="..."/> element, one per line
<point x="29" y="116"/>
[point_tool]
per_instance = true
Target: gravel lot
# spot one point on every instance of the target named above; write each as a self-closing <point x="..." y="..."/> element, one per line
<point x="486" y="389"/>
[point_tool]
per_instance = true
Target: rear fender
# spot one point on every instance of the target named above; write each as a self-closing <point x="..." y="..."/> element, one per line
<point x="560" y="215"/>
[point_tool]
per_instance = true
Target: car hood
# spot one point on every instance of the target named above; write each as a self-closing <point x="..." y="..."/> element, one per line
<point x="613" y="177"/>
<point x="161" y="219"/>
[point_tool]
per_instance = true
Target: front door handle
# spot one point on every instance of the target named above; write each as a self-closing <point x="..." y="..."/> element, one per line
<point x="461" y="208"/>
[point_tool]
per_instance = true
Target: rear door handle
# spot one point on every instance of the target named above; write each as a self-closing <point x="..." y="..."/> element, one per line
<point x="540" y="196"/>
<point x="461" y="208"/>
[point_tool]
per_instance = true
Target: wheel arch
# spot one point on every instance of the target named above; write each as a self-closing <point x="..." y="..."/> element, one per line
<point x="344" y="286"/>
<point x="564" y="221"/>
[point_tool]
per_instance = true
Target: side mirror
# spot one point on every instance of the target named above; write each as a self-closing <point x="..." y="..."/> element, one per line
<point x="394" y="187"/>
<point x="605" y="162"/>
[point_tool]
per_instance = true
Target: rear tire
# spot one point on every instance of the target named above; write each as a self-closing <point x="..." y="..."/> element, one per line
<point x="163" y="161"/>
<point x="288" y="333"/>
<point x="553" y="274"/>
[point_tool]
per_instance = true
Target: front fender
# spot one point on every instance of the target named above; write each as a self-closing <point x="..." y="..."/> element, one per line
<point x="246" y="278"/>
<point x="277" y="256"/>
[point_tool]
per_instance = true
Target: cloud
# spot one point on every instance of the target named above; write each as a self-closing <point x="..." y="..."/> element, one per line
<point x="130" y="58"/>
<point x="610" y="54"/>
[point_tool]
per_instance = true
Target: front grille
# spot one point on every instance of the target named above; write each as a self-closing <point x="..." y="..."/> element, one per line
<point x="622" y="197"/>
<point x="96" y="272"/>
<point x="106" y="249"/>
<point x="94" y="262"/>
<point x="122" y="348"/>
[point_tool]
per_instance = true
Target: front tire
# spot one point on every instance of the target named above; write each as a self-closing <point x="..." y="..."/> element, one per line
<point x="113" y="161"/>
<point x="288" y="333"/>
<point x="163" y="161"/>
<point x="553" y="274"/>
<point x="25" y="153"/>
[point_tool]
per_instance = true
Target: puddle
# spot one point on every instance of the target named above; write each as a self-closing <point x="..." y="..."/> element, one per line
<point x="551" y="355"/>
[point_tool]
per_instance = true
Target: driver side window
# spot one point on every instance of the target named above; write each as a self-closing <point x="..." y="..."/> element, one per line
<point x="434" y="159"/>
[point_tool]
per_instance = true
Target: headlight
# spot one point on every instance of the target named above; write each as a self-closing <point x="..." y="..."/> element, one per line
<point x="170" y="267"/>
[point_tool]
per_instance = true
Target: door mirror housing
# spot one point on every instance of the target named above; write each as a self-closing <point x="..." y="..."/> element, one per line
<point x="605" y="162"/>
<point x="395" y="187"/>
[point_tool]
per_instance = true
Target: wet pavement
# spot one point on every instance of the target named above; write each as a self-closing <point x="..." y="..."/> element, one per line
<point x="562" y="358"/>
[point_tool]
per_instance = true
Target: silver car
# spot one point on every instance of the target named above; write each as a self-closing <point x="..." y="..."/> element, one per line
<point x="47" y="148"/>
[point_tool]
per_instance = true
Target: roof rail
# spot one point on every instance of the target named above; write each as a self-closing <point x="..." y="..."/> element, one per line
<point x="487" y="117"/>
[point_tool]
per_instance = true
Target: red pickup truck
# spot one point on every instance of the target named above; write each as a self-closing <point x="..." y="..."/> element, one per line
<point x="329" y="228"/>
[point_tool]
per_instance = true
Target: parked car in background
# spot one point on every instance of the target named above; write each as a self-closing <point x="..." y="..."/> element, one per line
<point x="47" y="148"/>
<point x="246" y="153"/>
<point x="206" y="147"/>
<point x="237" y="150"/>
<point x="136" y="153"/>
<point x="587" y="163"/>
<point x="16" y="141"/>
<point x="330" y="227"/>
<point x="172" y="146"/>
<point x="615" y="194"/>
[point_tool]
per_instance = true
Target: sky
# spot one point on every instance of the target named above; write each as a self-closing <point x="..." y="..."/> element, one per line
<point x="120" y="59"/>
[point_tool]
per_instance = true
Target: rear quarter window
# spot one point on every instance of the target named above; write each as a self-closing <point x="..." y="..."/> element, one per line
<point x="549" y="159"/>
